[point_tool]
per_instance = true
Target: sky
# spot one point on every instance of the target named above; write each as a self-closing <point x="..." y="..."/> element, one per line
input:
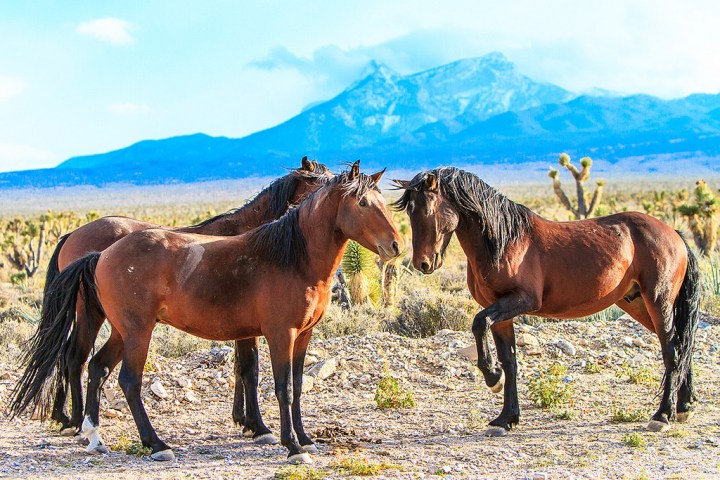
<point x="85" y="77"/>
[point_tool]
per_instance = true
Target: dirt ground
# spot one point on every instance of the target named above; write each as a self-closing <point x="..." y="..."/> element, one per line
<point x="442" y="436"/>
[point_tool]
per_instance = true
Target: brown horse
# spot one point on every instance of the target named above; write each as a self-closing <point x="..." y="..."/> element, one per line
<point x="520" y="263"/>
<point x="273" y="281"/>
<point x="96" y="236"/>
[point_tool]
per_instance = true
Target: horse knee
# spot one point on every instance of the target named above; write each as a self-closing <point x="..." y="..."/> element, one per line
<point x="481" y="324"/>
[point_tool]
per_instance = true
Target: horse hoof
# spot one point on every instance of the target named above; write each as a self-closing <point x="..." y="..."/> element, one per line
<point x="299" y="458"/>
<point x="493" y="431"/>
<point x="68" y="431"/>
<point x="657" y="426"/>
<point x="683" y="417"/>
<point x="498" y="387"/>
<point x="163" y="456"/>
<point x="100" y="449"/>
<point x="266" y="439"/>
<point x="312" y="448"/>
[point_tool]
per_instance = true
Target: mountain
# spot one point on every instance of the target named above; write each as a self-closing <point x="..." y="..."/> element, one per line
<point x="472" y="111"/>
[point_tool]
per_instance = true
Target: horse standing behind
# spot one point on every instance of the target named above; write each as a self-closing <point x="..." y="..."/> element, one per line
<point x="520" y="263"/>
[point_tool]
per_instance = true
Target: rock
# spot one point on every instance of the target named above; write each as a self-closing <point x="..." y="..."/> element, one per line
<point x="323" y="369"/>
<point x="628" y="341"/>
<point x="638" y="342"/>
<point x="527" y="339"/>
<point x="159" y="389"/>
<point x="191" y="397"/>
<point x="184" y="382"/>
<point x="533" y="350"/>
<point x="119" y="404"/>
<point x="310" y="359"/>
<point x="111" y="413"/>
<point x="222" y="354"/>
<point x="469" y="352"/>
<point x="308" y="383"/>
<point x="566" y="347"/>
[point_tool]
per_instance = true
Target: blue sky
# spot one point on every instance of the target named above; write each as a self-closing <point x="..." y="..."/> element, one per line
<point x="83" y="77"/>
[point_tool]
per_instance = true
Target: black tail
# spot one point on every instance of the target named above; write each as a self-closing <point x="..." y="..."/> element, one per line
<point x="46" y="350"/>
<point x="687" y="315"/>
<point x="53" y="267"/>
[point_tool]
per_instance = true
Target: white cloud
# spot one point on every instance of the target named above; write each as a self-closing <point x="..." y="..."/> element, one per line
<point x="112" y="30"/>
<point x="128" y="108"/>
<point x="10" y="87"/>
<point x="22" y="157"/>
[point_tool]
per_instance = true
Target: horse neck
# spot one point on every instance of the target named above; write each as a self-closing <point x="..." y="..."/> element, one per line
<point x="325" y="242"/>
<point x="253" y="214"/>
<point x="472" y="240"/>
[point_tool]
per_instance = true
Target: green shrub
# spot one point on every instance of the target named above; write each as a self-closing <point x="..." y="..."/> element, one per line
<point x="300" y="472"/>
<point x="627" y="415"/>
<point x="548" y="390"/>
<point x="362" y="466"/>
<point x="634" y="440"/>
<point x="390" y="395"/>
<point x="423" y="314"/>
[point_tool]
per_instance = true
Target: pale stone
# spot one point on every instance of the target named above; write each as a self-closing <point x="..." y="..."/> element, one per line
<point x="159" y="389"/>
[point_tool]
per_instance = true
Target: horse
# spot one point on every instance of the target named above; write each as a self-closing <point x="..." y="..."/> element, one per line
<point x="520" y="263"/>
<point x="96" y="236"/>
<point x="273" y="281"/>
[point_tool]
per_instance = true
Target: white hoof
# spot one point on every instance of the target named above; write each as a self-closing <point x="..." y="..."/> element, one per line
<point x="498" y="387"/>
<point x="266" y="439"/>
<point x="312" y="448"/>
<point x="299" y="458"/>
<point x="163" y="456"/>
<point x="493" y="431"/>
<point x="656" y="426"/>
<point x="68" y="432"/>
<point x="683" y="417"/>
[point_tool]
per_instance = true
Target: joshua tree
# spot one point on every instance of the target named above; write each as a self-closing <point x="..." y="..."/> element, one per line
<point x="702" y="217"/>
<point x="583" y="210"/>
<point x="23" y="242"/>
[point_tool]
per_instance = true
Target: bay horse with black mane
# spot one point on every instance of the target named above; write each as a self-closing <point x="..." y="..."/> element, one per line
<point x="520" y="263"/>
<point x="270" y="204"/>
<point x="273" y="281"/>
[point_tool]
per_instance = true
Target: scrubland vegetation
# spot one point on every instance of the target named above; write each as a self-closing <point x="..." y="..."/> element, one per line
<point x="397" y="300"/>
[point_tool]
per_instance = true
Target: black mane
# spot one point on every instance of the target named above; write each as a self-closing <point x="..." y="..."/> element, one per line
<point x="502" y="221"/>
<point x="280" y="191"/>
<point x="282" y="241"/>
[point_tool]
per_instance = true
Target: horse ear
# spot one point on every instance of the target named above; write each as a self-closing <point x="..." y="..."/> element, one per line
<point x="431" y="182"/>
<point x="377" y="176"/>
<point x="307" y="164"/>
<point x="355" y="170"/>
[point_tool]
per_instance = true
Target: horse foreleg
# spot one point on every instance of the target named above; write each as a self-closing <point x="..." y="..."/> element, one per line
<point x="98" y="371"/>
<point x="247" y="370"/>
<point x="130" y="380"/>
<point x="281" y="354"/>
<point x="498" y="317"/>
<point x="492" y="373"/>
<point x="298" y="364"/>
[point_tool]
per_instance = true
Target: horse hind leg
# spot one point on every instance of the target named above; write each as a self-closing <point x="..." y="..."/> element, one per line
<point x="98" y="371"/>
<point x="686" y="397"/>
<point x="130" y="380"/>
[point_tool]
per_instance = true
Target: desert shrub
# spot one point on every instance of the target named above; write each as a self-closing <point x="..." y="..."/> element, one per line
<point x="634" y="440"/>
<point x="358" y="320"/>
<point x="390" y="395"/>
<point x="300" y="472"/>
<point x="136" y="449"/>
<point x="642" y="375"/>
<point x="548" y="389"/>
<point x="628" y="414"/>
<point x="171" y="342"/>
<point x="424" y="313"/>
<point x="362" y="466"/>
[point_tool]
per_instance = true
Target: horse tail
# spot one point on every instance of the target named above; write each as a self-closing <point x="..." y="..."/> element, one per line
<point x="45" y="352"/>
<point x="687" y="314"/>
<point x="54" y="267"/>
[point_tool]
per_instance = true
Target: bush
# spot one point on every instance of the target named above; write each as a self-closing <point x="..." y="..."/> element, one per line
<point x="390" y="395"/>
<point x="358" y="320"/>
<point x="362" y="466"/>
<point x="548" y="390"/>
<point x="423" y="314"/>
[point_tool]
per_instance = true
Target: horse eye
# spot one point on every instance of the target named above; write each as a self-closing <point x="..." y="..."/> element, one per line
<point x="363" y="202"/>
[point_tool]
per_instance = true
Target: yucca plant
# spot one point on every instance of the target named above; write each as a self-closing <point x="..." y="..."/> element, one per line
<point x="702" y="217"/>
<point x="583" y="209"/>
<point x="358" y="264"/>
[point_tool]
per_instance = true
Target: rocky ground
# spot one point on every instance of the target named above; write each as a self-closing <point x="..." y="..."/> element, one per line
<point x="189" y="401"/>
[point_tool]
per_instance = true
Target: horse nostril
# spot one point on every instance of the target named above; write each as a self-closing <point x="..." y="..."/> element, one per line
<point x="425" y="267"/>
<point x="396" y="248"/>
